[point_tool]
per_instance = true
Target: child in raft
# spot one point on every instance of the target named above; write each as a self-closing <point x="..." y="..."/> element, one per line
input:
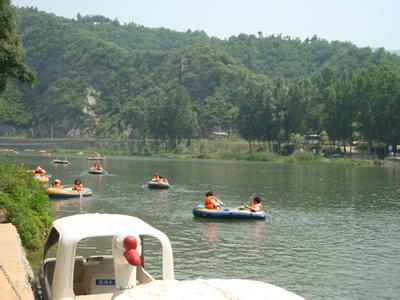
<point x="163" y="180"/>
<point x="156" y="177"/>
<point x="77" y="185"/>
<point x="39" y="170"/>
<point x="57" y="184"/>
<point x="212" y="202"/>
<point x="255" y="205"/>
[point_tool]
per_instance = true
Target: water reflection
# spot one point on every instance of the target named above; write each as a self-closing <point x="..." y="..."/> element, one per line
<point x="208" y="235"/>
<point x="75" y="205"/>
<point x="95" y="178"/>
<point x="159" y="195"/>
<point x="255" y="234"/>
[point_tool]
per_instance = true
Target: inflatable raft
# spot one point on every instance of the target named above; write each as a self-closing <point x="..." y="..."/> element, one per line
<point x="60" y="161"/>
<point x="227" y="213"/>
<point x="158" y="185"/>
<point x="41" y="178"/>
<point x="68" y="192"/>
<point x="96" y="156"/>
<point x="97" y="172"/>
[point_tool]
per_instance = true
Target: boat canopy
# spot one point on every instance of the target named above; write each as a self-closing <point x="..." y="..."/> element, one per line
<point x="77" y="227"/>
<point x="72" y="229"/>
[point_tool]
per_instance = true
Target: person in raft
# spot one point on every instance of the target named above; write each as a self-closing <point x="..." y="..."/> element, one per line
<point x="163" y="180"/>
<point x="212" y="202"/>
<point x="39" y="170"/>
<point x="254" y="206"/>
<point x="77" y="185"/>
<point x="156" y="177"/>
<point x="96" y="167"/>
<point x="57" y="184"/>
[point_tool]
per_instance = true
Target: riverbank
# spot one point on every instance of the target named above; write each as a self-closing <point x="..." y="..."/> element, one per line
<point x="262" y="156"/>
<point x="24" y="203"/>
<point x="233" y="149"/>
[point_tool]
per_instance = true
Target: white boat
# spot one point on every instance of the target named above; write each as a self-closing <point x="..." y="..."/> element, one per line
<point x="122" y="274"/>
<point x="96" y="156"/>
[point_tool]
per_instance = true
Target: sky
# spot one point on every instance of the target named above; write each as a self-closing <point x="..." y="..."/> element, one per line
<point x="366" y="23"/>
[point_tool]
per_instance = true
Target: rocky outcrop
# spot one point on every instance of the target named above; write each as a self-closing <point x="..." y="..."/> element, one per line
<point x="16" y="276"/>
<point x="91" y="99"/>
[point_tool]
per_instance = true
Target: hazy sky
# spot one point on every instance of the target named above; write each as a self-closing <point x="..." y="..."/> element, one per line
<point x="374" y="23"/>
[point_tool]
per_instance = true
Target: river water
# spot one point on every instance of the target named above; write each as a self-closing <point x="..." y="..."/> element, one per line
<point x="332" y="231"/>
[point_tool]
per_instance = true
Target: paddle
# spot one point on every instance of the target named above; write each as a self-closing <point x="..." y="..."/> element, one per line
<point x="219" y="201"/>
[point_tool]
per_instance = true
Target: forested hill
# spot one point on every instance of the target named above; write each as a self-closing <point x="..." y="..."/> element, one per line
<point x="273" y="55"/>
<point x="97" y="77"/>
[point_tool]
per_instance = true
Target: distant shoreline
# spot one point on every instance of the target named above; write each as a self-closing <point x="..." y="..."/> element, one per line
<point x="220" y="150"/>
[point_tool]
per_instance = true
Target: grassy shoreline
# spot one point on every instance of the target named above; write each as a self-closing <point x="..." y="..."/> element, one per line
<point x="235" y="149"/>
<point x="26" y="204"/>
<point x="297" y="157"/>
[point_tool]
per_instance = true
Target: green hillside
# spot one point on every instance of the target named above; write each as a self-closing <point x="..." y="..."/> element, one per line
<point x="272" y="55"/>
<point x="98" y="78"/>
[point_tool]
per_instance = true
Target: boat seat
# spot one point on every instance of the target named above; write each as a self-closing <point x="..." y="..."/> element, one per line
<point x="78" y="276"/>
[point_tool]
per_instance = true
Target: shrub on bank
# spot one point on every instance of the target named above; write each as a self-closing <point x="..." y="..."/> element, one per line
<point x="26" y="203"/>
<point x="303" y="156"/>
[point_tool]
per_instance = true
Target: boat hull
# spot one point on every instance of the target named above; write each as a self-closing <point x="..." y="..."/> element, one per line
<point x="96" y="158"/>
<point x="97" y="172"/>
<point x="62" y="162"/>
<point x="63" y="193"/>
<point x="227" y="213"/>
<point x="158" y="185"/>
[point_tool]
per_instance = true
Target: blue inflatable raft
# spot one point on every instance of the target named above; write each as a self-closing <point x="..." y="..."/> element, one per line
<point x="227" y="213"/>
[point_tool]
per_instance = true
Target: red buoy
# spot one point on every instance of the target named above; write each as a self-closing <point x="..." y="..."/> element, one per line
<point x="132" y="257"/>
<point x="130" y="242"/>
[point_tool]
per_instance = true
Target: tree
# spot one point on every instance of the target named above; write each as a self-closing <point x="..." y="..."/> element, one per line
<point x="279" y="132"/>
<point x="303" y="111"/>
<point x="135" y="113"/>
<point x="217" y="111"/>
<point x="255" y="114"/>
<point x="379" y="105"/>
<point x="13" y="112"/>
<point x="11" y="52"/>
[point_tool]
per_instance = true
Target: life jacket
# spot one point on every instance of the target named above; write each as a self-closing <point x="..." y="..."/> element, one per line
<point x="209" y="202"/>
<point x="256" y="206"/>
